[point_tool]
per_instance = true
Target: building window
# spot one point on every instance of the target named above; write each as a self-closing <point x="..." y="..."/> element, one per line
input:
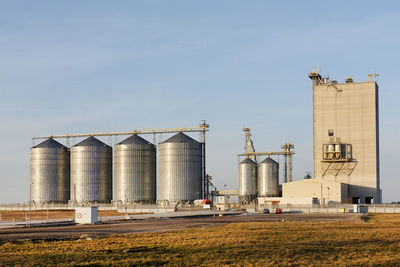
<point x="369" y="200"/>
<point x="330" y="132"/>
<point x="356" y="200"/>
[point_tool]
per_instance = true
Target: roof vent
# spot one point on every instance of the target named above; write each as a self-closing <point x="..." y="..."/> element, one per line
<point x="349" y="80"/>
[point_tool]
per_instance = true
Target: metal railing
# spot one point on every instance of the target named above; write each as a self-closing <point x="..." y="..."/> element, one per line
<point x="337" y="208"/>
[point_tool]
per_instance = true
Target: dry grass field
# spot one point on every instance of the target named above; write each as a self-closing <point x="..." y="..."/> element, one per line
<point x="352" y="243"/>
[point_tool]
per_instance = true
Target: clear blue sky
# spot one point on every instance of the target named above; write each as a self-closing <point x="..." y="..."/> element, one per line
<point x="92" y="66"/>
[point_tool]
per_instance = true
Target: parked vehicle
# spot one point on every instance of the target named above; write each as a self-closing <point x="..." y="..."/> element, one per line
<point x="266" y="211"/>
<point x="278" y="211"/>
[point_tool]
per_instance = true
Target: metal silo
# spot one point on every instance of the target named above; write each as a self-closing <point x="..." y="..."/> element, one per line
<point x="268" y="178"/>
<point x="179" y="169"/>
<point x="49" y="172"/>
<point x="135" y="170"/>
<point x="247" y="180"/>
<point x="91" y="171"/>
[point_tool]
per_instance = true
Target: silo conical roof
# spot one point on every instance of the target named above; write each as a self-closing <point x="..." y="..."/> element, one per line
<point x="269" y="160"/>
<point x="50" y="143"/>
<point x="247" y="161"/>
<point x="91" y="141"/>
<point x="180" y="138"/>
<point x="135" y="139"/>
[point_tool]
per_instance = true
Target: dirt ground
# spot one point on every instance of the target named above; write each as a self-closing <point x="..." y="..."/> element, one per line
<point x="158" y="225"/>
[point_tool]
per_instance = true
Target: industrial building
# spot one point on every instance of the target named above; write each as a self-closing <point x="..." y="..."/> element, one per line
<point x="346" y="143"/>
<point x="345" y="152"/>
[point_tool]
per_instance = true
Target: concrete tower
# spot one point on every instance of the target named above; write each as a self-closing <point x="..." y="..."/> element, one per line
<point x="346" y="136"/>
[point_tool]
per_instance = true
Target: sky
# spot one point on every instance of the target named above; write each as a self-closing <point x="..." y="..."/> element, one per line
<point x="101" y="66"/>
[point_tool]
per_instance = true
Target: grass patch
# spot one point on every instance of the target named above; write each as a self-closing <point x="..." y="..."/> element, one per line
<point x="365" y="217"/>
<point x="376" y="242"/>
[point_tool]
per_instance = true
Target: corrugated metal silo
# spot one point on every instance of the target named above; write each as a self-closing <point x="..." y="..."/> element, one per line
<point x="49" y="172"/>
<point x="268" y="178"/>
<point x="179" y="169"/>
<point x="247" y="180"/>
<point x="135" y="170"/>
<point x="91" y="171"/>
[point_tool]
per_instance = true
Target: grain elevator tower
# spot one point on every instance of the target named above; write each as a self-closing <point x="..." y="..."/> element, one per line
<point x="346" y="136"/>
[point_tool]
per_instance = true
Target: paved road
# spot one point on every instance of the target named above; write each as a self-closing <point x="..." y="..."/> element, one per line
<point x="10" y="224"/>
<point x="156" y="225"/>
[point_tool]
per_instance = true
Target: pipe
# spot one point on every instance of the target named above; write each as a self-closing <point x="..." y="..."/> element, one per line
<point x="289" y="168"/>
<point x="285" y="168"/>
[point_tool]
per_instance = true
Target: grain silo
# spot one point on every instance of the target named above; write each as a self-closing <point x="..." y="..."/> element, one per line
<point x="134" y="170"/>
<point x="268" y="178"/>
<point x="91" y="171"/>
<point x="179" y="169"/>
<point x="247" y="181"/>
<point x="49" y="172"/>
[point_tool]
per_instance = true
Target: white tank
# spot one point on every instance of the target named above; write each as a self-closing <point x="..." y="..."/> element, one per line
<point x="348" y="151"/>
<point x="325" y="150"/>
<point x="331" y="148"/>
<point x="337" y="148"/>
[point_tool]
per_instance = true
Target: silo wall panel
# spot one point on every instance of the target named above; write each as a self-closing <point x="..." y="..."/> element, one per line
<point x="268" y="179"/>
<point x="135" y="173"/>
<point x="247" y="178"/>
<point x="91" y="173"/>
<point x="49" y="175"/>
<point x="179" y="171"/>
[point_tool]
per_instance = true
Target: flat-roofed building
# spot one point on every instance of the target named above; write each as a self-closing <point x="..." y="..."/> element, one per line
<point x="346" y="136"/>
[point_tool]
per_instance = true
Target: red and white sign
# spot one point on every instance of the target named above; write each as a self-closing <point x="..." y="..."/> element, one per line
<point x="79" y="215"/>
